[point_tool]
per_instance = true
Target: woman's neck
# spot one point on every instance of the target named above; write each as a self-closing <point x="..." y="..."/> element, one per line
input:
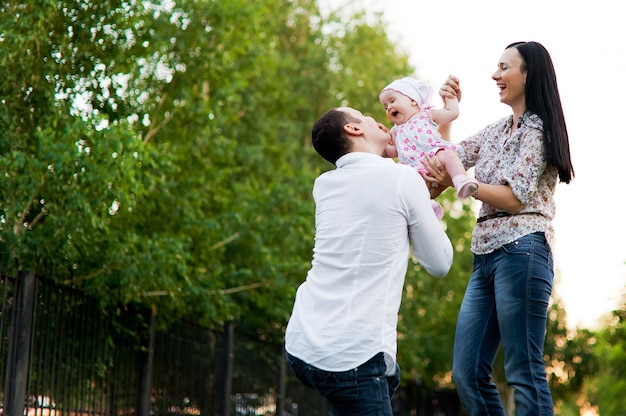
<point x="518" y="111"/>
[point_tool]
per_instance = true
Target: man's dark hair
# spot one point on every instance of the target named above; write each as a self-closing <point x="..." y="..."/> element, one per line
<point x="329" y="137"/>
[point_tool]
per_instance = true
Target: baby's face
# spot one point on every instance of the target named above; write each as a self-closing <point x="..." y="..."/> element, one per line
<point x="399" y="107"/>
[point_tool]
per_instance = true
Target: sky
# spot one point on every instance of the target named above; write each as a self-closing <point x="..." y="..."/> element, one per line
<point x="586" y="43"/>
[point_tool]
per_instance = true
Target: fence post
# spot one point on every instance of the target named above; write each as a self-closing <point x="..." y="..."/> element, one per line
<point x="19" y="344"/>
<point x="144" y="371"/>
<point x="282" y="381"/>
<point x="227" y="366"/>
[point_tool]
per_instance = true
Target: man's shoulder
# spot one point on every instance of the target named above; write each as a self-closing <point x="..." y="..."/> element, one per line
<point x="360" y="163"/>
<point x="405" y="169"/>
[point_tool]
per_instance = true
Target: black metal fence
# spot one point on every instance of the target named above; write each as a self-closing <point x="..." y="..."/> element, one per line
<point x="60" y="354"/>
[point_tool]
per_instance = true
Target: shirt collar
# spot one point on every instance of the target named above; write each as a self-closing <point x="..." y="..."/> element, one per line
<point x="355" y="157"/>
<point x="529" y="119"/>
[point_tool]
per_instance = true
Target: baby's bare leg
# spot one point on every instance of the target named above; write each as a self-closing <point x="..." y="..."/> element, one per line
<point x="451" y="162"/>
<point x="464" y="185"/>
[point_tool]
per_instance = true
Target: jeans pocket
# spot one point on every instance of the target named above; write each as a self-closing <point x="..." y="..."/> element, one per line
<point x="300" y="369"/>
<point x="516" y="247"/>
<point x="525" y="245"/>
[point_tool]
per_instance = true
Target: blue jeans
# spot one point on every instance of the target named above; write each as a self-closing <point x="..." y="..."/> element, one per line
<point x="506" y="302"/>
<point x="362" y="391"/>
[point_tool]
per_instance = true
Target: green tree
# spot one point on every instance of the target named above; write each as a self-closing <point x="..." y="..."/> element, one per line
<point x="570" y="358"/>
<point x="430" y="306"/>
<point x="65" y="176"/>
<point x="159" y="153"/>
<point x="134" y="143"/>
<point x="607" y="389"/>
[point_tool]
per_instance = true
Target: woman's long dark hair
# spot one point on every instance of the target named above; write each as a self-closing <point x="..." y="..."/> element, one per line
<point x="543" y="99"/>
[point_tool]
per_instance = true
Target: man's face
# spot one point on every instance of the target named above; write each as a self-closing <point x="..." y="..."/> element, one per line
<point x="370" y="127"/>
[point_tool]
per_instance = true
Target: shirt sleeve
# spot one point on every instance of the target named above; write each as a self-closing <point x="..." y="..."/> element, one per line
<point x="430" y="245"/>
<point x="523" y="174"/>
<point x="469" y="148"/>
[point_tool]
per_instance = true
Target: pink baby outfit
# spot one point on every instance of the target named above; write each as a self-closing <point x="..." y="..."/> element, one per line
<point x="419" y="137"/>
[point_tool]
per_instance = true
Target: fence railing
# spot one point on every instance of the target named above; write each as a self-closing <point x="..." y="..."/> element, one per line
<point x="61" y="354"/>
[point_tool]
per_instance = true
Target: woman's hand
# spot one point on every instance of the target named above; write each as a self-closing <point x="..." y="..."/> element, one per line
<point x="451" y="88"/>
<point x="437" y="178"/>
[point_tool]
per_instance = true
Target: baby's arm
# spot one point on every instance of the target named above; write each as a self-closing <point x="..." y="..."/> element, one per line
<point x="448" y="113"/>
<point x="391" y="151"/>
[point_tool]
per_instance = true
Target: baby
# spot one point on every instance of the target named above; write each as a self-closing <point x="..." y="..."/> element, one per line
<point x="415" y="131"/>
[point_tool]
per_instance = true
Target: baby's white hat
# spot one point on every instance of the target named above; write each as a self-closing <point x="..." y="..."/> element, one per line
<point x="416" y="90"/>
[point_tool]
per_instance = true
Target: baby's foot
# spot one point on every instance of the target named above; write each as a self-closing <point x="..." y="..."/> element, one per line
<point x="466" y="187"/>
<point x="437" y="208"/>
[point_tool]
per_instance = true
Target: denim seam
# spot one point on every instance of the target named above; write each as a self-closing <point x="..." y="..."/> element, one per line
<point x="538" y="398"/>
<point x="528" y="335"/>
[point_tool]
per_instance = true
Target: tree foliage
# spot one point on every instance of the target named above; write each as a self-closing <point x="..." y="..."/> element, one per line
<point x="430" y="306"/>
<point x="570" y="358"/>
<point x="606" y="389"/>
<point x="158" y="153"/>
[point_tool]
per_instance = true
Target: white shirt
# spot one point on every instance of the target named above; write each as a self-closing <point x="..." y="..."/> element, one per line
<point x="368" y="210"/>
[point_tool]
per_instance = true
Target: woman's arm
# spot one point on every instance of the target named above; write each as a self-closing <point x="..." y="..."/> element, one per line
<point x="498" y="196"/>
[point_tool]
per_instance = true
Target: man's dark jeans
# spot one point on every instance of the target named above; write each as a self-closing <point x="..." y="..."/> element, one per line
<point x="362" y="391"/>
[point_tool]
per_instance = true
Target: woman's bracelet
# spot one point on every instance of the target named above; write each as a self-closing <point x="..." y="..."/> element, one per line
<point x="475" y="193"/>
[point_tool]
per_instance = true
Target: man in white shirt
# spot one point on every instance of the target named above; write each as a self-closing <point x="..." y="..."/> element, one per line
<point x="370" y="213"/>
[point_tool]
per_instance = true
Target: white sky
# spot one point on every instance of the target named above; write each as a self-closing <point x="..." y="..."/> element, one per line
<point x="586" y="41"/>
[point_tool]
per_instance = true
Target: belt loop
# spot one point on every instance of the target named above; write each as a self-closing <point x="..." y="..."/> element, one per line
<point x="492" y="216"/>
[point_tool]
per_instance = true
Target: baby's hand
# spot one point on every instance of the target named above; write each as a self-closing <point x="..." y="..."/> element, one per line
<point x="391" y="151"/>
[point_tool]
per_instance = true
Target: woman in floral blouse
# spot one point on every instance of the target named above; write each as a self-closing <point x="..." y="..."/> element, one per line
<point x="517" y="162"/>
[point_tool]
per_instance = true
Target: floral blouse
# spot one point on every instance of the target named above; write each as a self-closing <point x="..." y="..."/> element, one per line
<point x="518" y="160"/>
